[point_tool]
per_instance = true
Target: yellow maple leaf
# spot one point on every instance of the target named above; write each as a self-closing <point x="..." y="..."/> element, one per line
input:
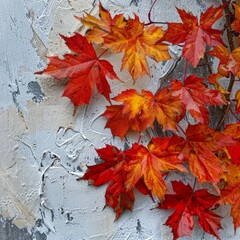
<point x="137" y="42"/>
<point x="237" y="99"/>
<point x="100" y="28"/>
<point x="231" y="193"/>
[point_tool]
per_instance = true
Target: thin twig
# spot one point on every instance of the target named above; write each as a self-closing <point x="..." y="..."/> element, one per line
<point x="150" y="11"/>
<point x="102" y="53"/>
<point x="207" y="63"/>
<point x="232" y="78"/>
<point x="231" y="111"/>
<point x="149" y="16"/>
<point x="194" y="185"/>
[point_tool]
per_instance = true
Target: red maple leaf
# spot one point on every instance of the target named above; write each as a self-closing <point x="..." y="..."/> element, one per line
<point x="112" y="171"/>
<point x="84" y="69"/>
<point x="188" y="203"/>
<point x="196" y="36"/>
<point x="195" y="95"/>
<point x="233" y="130"/>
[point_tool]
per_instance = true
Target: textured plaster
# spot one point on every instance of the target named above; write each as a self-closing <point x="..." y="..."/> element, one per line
<point x="44" y="148"/>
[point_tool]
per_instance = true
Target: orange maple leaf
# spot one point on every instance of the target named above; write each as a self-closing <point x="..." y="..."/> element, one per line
<point x="196" y="36"/>
<point x="195" y="95"/>
<point x="83" y="68"/>
<point x="237" y="99"/>
<point x="139" y="111"/>
<point x="137" y="42"/>
<point x="213" y="79"/>
<point x="236" y="23"/>
<point x="231" y="193"/>
<point x="160" y="156"/>
<point x="229" y="62"/>
<point x="233" y="130"/>
<point x="100" y="28"/>
<point x="199" y="150"/>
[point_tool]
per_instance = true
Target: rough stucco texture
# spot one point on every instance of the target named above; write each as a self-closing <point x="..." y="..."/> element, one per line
<point x="44" y="148"/>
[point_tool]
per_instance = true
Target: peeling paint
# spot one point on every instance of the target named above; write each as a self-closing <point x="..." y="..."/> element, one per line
<point x="9" y="231"/>
<point x="35" y="89"/>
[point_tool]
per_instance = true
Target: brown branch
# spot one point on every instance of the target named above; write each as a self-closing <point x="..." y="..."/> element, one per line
<point x="225" y="108"/>
<point x="207" y="63"/>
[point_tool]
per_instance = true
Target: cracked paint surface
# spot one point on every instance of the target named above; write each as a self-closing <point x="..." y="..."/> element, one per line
<point x="44" y="149"/>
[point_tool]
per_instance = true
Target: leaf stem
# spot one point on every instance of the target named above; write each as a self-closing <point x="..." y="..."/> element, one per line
<point x="194" y="185"/>
<point x="139" y="139"/>
<point x="181" y="129"/>
<point x="224" y="115"/>
<point x="150" y="11"/>
<point x="102" y="53"/>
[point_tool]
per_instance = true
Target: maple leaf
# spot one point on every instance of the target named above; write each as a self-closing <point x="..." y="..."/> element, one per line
<point x="188" y="203"/>
<point x="137" y="42"/>
<point x="100" y="28"/>
<point x="199" y="150"/>
<point x="161" y="155"/>
<point x="233" y="130"/>
<point x="139" y="111"/>
<point x="229" y="62"/>
<point x="84" y="69"/>
<point x="236" y="23"/>
<point x="196" y="36"/>
<point x="195" y="95"/>
<point x="231" y="193"/>
<point x="237" y="99"/>
<point x="112" y="170"/>
<point x="213" y="79"/>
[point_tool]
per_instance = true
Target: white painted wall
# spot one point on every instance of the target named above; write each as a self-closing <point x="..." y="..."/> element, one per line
<point x="44" y="148"/>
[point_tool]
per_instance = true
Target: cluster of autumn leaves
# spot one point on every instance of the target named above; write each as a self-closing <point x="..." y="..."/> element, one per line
<point x="210" y="155"/>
